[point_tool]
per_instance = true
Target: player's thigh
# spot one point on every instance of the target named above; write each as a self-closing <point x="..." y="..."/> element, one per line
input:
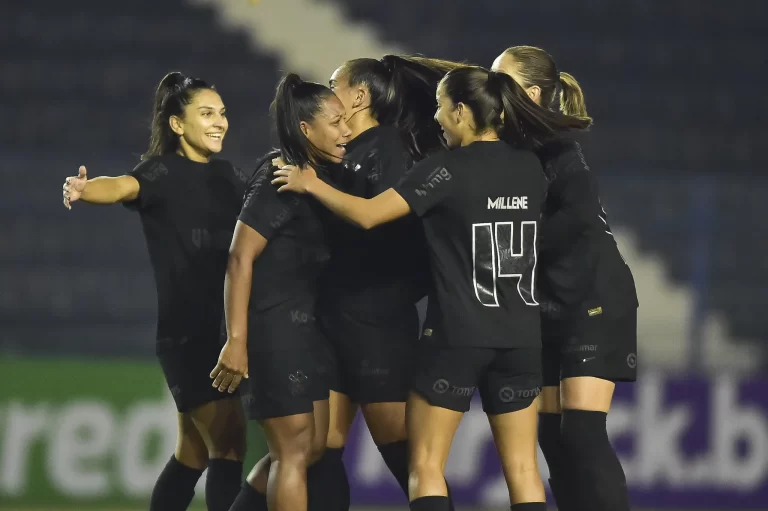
<point x="385" y="421"/>
<point x="342" y="413"/>
<point x="222" y="426"/>
<point x="509" y="391"/>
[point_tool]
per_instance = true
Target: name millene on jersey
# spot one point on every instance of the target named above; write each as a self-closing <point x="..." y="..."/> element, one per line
<point x="508" y="202"/>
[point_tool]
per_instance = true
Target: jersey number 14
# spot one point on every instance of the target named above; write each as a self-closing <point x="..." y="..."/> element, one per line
<point x="500" y="251"/>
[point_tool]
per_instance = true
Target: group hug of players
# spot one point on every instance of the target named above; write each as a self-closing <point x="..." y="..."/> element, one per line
<point x="407" y="177"/>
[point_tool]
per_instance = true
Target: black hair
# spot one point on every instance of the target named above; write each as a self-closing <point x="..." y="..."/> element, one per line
<point x="173" y="94"/>
<point x="402" y="91"/>
<point x="297" y="101"/>
<point x="498" y="103"/>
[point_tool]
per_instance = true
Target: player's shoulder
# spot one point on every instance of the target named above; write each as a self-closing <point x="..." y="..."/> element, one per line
<point x="154" y="168"/>
<point x="263" y="167"/>
<point x="260" y="182"/>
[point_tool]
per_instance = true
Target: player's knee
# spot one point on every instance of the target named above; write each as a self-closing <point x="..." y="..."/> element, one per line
<point x="583" y="433"/>
<point x="294" y="441"/>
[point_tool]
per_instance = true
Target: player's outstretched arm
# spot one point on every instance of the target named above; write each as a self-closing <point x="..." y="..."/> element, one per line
<point x="366" y="213"/>
<point x="99" y="190"/>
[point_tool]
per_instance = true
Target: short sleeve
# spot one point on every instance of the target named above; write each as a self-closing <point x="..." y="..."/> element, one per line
<point x="427" y="184"/>
<point x="153" y="177"/>
<point x="264" y="209"/>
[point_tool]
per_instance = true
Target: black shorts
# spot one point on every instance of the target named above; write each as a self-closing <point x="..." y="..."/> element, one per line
<point x="187" y="367"/>
<point x="597" y="346"/>
<point x="373" y="361"/>
<point x="508" y="379"/>
<point x="292" y="374"/>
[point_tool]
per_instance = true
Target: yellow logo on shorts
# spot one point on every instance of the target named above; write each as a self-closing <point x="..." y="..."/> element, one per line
<point x="427" y="332"/>
<point x="595" y="311"/>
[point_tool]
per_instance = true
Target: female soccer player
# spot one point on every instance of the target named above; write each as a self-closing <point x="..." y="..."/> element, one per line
<point x="188" y="204"/>
<point x="589" y="310"/>
<point x="479" y="205"/>
<point x="367" y="308"/>
<point x="278" y="251"/>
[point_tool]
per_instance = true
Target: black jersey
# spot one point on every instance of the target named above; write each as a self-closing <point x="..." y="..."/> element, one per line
<point x="381" y="272"/>
<point x="288" y="268"/>
<point x="188" y="212"/>
<point x="582" y="271"/>
<point x="480" y="206"/>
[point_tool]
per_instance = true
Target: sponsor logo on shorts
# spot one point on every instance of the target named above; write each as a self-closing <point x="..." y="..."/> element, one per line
<point x="427" y="332"/>
<point x="509" y="394"/>
<point x="442" y="386"/>
<point x="300" y="317"/>
<point x="298" y="382"/>
<point x="581" y="348"/>
<point x="247" y="399"/>
<point x="632" y="360"/>
<point x="367" y="370"/>
<point x="596" y="311"/>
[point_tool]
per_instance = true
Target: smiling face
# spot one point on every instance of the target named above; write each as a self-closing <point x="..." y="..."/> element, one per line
<point x="328" y="131"/>
<point x="202" y="126"/>
<point x="448" y="115"/>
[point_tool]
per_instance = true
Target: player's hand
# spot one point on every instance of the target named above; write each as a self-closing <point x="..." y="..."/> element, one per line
<point x="278" y="162"/>
<point x="74" y="186"/>
<point x="232" y="367"/>
<point x="291" y="178"/>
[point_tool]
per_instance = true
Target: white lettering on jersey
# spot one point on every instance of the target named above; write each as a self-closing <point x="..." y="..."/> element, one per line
<point x="508" y="202"/>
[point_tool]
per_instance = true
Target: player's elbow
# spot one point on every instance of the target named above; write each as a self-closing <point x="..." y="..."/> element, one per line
<point x="367" y="223"/>
<point x="238" y="260"/>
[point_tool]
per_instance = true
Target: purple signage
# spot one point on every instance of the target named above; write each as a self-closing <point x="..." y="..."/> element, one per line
<point x="684" y="443"/>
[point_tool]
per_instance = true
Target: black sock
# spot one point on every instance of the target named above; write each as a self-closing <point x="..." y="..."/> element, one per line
<point x="529" y="506"/>
<point x="551" y="444"/>
<point x="594" y="470"/>
<point x="249" y="500"/>
<point x="327" y="483"/>
<point x="223" y="483"/>
<point x="175" y="487"/>
<point x="430" y="504"/>
<point x="395" y="455"/>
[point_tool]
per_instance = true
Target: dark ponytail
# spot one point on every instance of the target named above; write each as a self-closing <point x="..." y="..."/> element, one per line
<point x="297" y="101"/>
<point x="498" y="103"/>
<point x="402" y="91"/>
<point x="173" y="94"/>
